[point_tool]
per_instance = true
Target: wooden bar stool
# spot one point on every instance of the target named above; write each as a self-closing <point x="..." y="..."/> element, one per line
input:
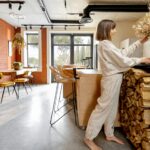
<point x="60" y="79"/>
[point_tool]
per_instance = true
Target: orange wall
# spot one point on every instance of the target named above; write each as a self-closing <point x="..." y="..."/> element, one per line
<point x="7" y="32"/>
<point x="41" y="77"/>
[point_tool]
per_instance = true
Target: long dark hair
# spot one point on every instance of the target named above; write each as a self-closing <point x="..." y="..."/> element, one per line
<point x="104" y="28"/>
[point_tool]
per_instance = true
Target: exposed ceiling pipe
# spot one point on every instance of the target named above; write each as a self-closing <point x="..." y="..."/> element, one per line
<point x="112" y="8"/>
<point x="45" y="11"/>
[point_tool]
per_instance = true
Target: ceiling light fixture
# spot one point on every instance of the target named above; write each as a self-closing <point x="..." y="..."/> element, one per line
<point x="26" y="27"/>
<point x="20" y="6"/>
<point x="86" y="19"/>
<point x="65" y="27"/>
<point x="10" y="5"/>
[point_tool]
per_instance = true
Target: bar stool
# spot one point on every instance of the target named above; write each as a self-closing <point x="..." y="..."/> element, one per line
<point x="60" y="78"/>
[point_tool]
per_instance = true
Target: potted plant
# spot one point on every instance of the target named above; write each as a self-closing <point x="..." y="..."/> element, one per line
<point x="18" y="42"/>
<point x="17" y="65"/>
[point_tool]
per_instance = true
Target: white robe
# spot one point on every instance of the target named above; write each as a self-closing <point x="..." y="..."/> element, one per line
<point x="113" y="62"/>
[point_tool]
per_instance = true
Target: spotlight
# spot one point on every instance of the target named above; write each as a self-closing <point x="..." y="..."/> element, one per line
<point x="26" y="28"/>
<point x="52" y="27"/>
<point x="10" y="5"/>
<point x="65" y="27"/>
<point x="30" y="27"/>
<point x="41" y="26"/>
<point x="79" y="27"/>
<point x="19" y="8"/>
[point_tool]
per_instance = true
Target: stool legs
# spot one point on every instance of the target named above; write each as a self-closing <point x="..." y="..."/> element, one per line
<point x="9" y="92"/>
<point x="2" y="94"/>
<point x="56" y="102"/>
<point x="56" y="107"/>
<point x="75" y="103"/>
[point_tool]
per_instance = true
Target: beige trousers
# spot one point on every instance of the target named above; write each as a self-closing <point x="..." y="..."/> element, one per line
<point x="106" y="109"/>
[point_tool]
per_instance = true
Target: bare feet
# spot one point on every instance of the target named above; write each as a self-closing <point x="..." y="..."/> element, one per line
<point x="91" y="144"/>
<point x="114" y="139"/>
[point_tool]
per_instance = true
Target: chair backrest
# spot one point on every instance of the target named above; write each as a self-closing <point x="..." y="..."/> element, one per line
<point x="1" y="75"/>
<point x="65" y="72"/>
<point x="55" y="73"/>
<point x="28" y="73"/>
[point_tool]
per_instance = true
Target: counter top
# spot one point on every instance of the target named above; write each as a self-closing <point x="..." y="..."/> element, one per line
<point x="88" y="71"/>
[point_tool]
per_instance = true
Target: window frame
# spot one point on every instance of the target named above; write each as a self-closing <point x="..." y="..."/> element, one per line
<point x="72" y="45"/>
<point x="25" y="33"/>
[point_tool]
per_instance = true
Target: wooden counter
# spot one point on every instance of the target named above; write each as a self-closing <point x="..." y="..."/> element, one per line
<point x="88" y="90"/>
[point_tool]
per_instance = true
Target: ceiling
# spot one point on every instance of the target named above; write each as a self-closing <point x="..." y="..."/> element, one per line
<point x="57" y="11"/>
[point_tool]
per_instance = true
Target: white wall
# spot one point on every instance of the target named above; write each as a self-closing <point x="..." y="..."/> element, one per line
<point x="124" y="31"/>
<point x="146" y="49"/>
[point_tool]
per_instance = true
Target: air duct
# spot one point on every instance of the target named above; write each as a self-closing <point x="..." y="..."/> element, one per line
<point x="112" y="8"/>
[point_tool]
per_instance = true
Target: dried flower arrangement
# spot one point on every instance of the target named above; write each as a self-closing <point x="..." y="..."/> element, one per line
<point x="142" y="26"/>
<point x="18" y="42"/>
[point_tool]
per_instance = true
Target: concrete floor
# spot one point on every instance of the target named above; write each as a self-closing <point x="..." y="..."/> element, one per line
<point x="24" y="125"/>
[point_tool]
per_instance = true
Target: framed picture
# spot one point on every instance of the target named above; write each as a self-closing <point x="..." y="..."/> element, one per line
<point x="9" y="48"/>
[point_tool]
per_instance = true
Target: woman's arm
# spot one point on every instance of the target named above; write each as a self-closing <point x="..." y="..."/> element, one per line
<point x="130" y="50"/>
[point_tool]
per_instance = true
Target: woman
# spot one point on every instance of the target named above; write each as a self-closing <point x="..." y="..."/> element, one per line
<point x="113" y="62"/>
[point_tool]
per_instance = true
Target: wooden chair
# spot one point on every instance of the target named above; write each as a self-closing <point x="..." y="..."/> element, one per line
<point x="60" y="79"/>
<point x="6" y="84"/>
<point x="22" y="81"/>
<point x="28" y="74"/>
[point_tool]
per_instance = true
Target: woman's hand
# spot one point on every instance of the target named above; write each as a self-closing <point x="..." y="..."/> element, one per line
<point x="144" y="39"/>
<point x="145" y="60"/>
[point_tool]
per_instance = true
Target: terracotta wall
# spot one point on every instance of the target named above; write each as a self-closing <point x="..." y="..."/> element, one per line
<point x="41" y="77"/>
<point x="7" y="32"/>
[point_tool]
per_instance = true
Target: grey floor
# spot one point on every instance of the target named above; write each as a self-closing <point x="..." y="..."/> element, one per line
<point x="24" y="125"/>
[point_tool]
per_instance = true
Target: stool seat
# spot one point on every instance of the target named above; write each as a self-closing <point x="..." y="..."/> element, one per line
<point x="7" y="83"/>
<point x="21" y="80"/>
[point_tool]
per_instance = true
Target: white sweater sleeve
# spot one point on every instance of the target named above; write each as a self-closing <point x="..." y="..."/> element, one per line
<point x="118" y="59"/>
<point x="130" y="50"/>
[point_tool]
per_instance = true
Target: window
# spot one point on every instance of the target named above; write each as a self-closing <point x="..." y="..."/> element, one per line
<point x="61" y="49"/>
<point x="32" y="49"/>
<point x="72" y="49"/>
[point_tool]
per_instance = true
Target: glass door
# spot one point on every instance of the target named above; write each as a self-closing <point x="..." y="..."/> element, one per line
<point x="61" y="49"/>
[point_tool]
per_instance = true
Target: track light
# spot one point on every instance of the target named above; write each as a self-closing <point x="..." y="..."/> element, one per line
<point x="65" y="27"/>
<point x="41" y="26"/>
<point x="20" y="6"/>
<point x="13" y="2"/>
<point x="10" y="5"/>
<point x="26" y="27"/>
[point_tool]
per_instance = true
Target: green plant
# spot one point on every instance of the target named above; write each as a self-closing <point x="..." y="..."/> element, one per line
<point x="17" y="65"/>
